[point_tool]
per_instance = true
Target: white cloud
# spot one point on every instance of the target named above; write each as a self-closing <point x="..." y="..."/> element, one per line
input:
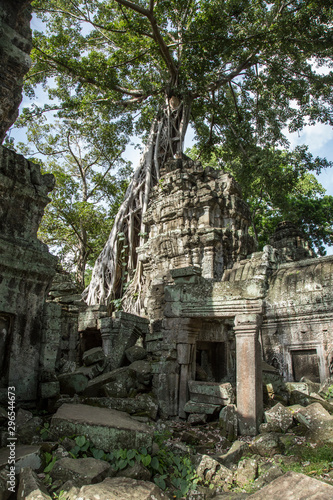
<point x="316" y="137"/>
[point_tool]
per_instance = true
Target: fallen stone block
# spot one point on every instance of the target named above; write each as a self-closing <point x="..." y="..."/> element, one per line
<point x="294" y="486"/>
<point x="49" y="389"/>
<point x="30" y="487"/>
<point x="25" y="456"/>
<point x="143" y="371"/>
<point x="233" y="456"/>
<point x="135" y="353"/>
<point x="197" y="418"/>
<point x="122" y="488"/>
<point x="266" y="445"/>
<point x="123" y="380"/>
<point x="95" y="355"/>
<point x="142" y="405"/>
<point x="80" y="471"/>
<point x="247" y="471"/>
<point x="318" y="421"/>
<point x="106" y="429"/>
<point x="72" y="383"/>
<point x="280" y="417"/>
<point x="94" y="370"/>
<point x="211" y="392"/>
<point x="212" y="471"/>
<point x="208" y="409"/>
<point x="228" y="421"/>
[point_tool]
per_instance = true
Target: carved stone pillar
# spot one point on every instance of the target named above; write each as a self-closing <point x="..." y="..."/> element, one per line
<point x="248" y="373"/>
<point x="185" y="355"/>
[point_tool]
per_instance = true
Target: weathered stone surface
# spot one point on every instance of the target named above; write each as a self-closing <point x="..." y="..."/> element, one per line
<point x="15" y="46"/>
<point x="30" y="487"/>
<point x="106" y="429"/>
<point x="211" y="392"/>
<point x="25" y="456"/>
<point x="72" y="383"/>
<point x="141" y="405"/>
<point x="26" y="269"/>
<point x="273" y="471"/>
<point x="49" y="389"/>
<point x="279" y="416"/>
<point x="228" y="422"/>
<point x="137" y="471"/>
<point x="247" y="470"/>
<point x="197" y="418"/>
<point x="28" y="431"/>
<point x="208" y="409"/>
<point x="266" y="445"/>
<point x="92" y="356"/>
<point x="121" y="383"/>
<point x="209" y="469"/>
<point x="122" y="488"/>
<point x="294" y="486"/>
<point x="318" y="422"/>
<point x="235" y="453"/>
<point x="143" y="371"/>
<point x="135" y="353"/>
<point x="80" y="470"/>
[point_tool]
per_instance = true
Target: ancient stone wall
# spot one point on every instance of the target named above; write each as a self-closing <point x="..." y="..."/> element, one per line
<point x="15" y="46"/>
<point x="196" y="217"/>
<point x="26" y="269"/>
<point x="298" y="321"/>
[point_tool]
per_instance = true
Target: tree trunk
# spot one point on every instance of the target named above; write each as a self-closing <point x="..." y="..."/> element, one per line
<point x="82" y="259"/>
<point x="116" y="271"/>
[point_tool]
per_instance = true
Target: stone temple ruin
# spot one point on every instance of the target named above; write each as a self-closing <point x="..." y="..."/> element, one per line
<point x="214" y="308"/>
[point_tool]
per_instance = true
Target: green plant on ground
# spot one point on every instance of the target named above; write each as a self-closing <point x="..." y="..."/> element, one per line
<point x="169" y="471"/>
<point x="313" y="460"/>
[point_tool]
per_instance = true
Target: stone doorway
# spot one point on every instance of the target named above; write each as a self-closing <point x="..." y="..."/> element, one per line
<point x="211" y="361"/>
<point x="305" y="363"/>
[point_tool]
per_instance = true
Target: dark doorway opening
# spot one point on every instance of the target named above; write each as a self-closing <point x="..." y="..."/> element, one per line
<point x="305" y="363"/>
<point x="211" y="361"/>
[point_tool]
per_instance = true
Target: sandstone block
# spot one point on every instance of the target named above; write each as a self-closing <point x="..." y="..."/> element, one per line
<point x="294" y="486"/>
<point x="106" y="429"/>
<point x="208" y="409"/>
<point x="95" y="355"/>
<point x="72" y="383"/>
<point x="30" y="487"/>
<point x="280" y="417"/>
<point x="247" y="471"/>
<point x="25" y="456"/>
<point x="236" y="452"/>
<point x="80" y="470"/>
<point x="266" y="445"/>
<point x="122" y="488"/>
<point x="209" y="469"/>
<point x="135" y="353"/>
<point x="211" y="392"/>
<point x="228" y="422"/>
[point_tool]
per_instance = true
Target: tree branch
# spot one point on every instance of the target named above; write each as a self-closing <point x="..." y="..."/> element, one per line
<point x="157" y="35"/>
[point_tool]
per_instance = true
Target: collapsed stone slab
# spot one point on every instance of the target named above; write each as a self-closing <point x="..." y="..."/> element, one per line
<point x="81" y="471"/>
<point x="122" y="488"/>
<point x="106" y="429"/>
<point x="294" y="486"/>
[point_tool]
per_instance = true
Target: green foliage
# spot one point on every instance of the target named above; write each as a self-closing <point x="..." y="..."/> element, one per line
<point x="91" y="178"/>
<point x="313" y="460"/>
<point x="169" y="471"/>
<point x="248" y="70"/>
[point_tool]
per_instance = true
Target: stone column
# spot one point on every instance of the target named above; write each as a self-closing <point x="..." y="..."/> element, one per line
<point x="248" y="373"/>
<point x="185" y="355"/>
